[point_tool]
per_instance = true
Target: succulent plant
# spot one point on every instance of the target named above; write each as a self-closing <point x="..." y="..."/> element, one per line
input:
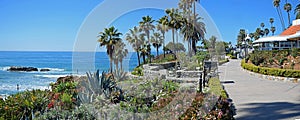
<point x="94" y="86"/>
<point x="119" y="75"/>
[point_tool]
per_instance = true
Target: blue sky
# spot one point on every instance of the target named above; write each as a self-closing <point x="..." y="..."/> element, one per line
<point x="52" y="25"/>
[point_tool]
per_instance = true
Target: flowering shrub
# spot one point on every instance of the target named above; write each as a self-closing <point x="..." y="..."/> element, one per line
<point x="24" y="105"/>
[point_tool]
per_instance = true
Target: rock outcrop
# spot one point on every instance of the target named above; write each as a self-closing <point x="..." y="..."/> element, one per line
<point x="25" y="69"/>
<point x="44" y="70"/>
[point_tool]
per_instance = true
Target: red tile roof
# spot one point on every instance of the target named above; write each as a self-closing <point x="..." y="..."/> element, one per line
<point x="291" y="30"/>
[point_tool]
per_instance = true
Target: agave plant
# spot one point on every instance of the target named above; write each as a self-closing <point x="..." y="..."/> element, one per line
<point x="94" y="86"/>
<point x="119" y="75"/>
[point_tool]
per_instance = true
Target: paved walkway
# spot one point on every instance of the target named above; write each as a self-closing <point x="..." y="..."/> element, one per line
<point x="259" y="99"/>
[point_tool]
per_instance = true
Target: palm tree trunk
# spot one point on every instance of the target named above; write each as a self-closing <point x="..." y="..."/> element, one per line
<point x="164" y="45"/>
<point x="110" y="62"/>
<point x="194" y="47"/>
<point x="289" y="18"/>
<point x="173" y="37"/>
<point x="149" y="53"/>
<point x="281" y="18"/>
<point x="121" y="64"/>
<point x="157" y="51"/>
<point x="138" y="55"/>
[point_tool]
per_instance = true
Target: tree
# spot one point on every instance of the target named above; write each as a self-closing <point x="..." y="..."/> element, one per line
<point x="119" y="54"/>
<point x="273" y="29"/>
<point x="288" y="8"/>
<point x="109" y="37"/>
<point x="175" y="47"/>
<point x="276" y="3"/>
<point x="156" y="41"/>
<point x="241" y="37"/>
<point x="163" y="28"/>
<point x="262" y="25"/>
<point x="133" y="37"/>
<point x="271" y="21"/>
<point x="257" y="33"/>
<point x="297" y="11"/>
<point x="267" y="31"/>
<point x="173" y="22"/>
<point x="146" y="25"/>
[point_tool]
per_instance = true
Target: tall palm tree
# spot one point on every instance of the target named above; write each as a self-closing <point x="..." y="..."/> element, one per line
<point x="271" y="21"/>
<point x="267" y="31"/>
<point x="119" y="54"/>
<point x="134" y="38"/>
<point x="172" y="22"/>
<point x="288" y="8"/>
<point x="297" y="11"/>
<point x="262" y="25"/>
<point x="163" y="28"/>
<point x="273" y="29"/>
<point x="109" y="37"/>
<point x="276" y="3"/>
<point x="146" y="25"/>
<point x="156" y="41"/>
<point x="144" y="51"/>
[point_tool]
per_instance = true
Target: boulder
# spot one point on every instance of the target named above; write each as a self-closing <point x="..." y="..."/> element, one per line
<point x="44" y="70"/>
<point x="25" y="69"/>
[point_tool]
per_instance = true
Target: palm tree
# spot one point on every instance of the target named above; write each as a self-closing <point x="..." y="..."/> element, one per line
<point x="297" y="11"/>
<point x="172" y="22"/>
<point x="146" y="25"/>
<point x="276" y="4"/>
<point x="251" y="35"/>
<point x="288" y="8"/>
<point x="262" y="25"/>
<point x="109" y="37"/>
<point x="271" y="21"/>
<point x="273" y="29"/>
<point x="267" y="31"/>
<point x="134" y="38"/>
<point x="119" y="54"/>
<point x="163" y="28"/>
<point x="144" y="51"/>
<point x="157" y="40"/>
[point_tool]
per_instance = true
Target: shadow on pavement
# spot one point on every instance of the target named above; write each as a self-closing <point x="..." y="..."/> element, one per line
<point x="271" y="111"/>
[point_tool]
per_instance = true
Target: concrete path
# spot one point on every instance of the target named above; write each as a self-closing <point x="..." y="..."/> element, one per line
<point x="259" y="99"/>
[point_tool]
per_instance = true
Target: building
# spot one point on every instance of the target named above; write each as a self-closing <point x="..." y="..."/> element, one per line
<point x="290" y="38"/>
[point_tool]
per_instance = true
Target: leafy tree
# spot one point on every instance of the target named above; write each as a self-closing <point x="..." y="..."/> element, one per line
<point x="109" y="37"/>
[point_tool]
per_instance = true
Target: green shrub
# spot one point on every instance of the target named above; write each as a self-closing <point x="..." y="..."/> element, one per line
<point x="137" y="71"/>
<point x="271" y="71"/>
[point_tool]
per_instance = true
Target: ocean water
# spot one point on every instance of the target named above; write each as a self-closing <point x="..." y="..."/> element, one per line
<point x="60" y="64"/>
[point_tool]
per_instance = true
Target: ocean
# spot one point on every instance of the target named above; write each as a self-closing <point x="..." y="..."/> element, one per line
<point x="60" y="64"/>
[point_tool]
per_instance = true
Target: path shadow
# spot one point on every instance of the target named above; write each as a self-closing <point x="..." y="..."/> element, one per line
<point x="226" y="81"/>
<point x="271" y="111"/>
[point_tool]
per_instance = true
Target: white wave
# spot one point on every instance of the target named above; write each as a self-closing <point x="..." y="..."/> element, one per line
<point x="4" y="68"/>
<point x="53" y="69"/>
<point x="51" y="76"/>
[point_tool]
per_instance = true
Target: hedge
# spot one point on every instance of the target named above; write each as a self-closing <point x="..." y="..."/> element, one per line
<point x="271" y="71"/>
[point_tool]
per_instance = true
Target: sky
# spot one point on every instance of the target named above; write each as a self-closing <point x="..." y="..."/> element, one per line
<point x="54" y="25"/>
